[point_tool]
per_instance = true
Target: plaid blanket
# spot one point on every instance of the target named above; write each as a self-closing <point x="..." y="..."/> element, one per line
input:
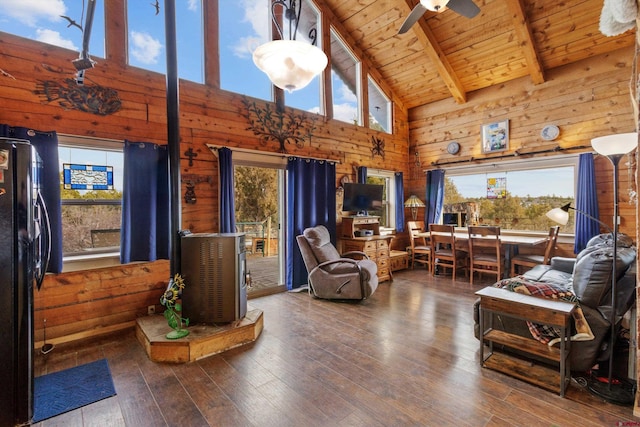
<point x="544" y="333"/>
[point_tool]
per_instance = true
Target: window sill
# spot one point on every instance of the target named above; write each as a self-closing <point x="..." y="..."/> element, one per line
<point x="88" y="262"/>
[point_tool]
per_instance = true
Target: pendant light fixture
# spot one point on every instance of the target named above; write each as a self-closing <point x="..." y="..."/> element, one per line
<point x="290" y="64"/>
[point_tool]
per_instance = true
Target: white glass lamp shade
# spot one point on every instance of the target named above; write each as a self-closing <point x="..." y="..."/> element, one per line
<point x="558" y="215"/>
<point x="290" y="64"/>
<point x="621" y="143"/>
<point x="434" y="5"/>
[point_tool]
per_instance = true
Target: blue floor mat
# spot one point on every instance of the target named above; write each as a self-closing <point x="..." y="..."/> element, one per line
<point x="63" y="391"/>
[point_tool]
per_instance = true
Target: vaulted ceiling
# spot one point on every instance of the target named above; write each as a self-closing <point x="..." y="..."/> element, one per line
<point x="446" y="55"/>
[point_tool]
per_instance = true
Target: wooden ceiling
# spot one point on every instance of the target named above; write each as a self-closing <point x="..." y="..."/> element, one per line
<point x="446" y="55"/>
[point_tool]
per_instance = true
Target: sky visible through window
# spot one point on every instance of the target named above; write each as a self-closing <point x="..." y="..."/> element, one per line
<point x="535" y="183"/>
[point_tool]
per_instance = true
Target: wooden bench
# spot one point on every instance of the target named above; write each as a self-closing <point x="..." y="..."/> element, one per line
<point x="537" y="310"/>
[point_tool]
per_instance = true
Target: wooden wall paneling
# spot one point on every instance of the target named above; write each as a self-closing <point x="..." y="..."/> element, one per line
<point x="92" y="301"/>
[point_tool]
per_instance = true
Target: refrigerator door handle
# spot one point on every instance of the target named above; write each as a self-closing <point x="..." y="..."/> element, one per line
<point x="44" y="242"/>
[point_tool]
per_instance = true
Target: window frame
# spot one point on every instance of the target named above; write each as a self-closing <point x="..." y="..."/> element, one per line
<point x="390" y="203"/>
<point x="333" y="33"/>
<point x="388" y="126"/>
<point x="97" y="144"/>
<point x="549" y="162"/>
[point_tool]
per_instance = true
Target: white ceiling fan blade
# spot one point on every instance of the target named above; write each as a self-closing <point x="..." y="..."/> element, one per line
<point x="466" y="8"/>
<point x="413" y="17"/>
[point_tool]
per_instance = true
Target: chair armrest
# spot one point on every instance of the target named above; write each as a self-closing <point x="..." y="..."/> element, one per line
<point x="563" y="264"/>
<point x="355" y="253"/>
<point x="322" y="265"/>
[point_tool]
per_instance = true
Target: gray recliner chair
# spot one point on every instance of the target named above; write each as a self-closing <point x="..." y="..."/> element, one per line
<point x="334" y="276"/>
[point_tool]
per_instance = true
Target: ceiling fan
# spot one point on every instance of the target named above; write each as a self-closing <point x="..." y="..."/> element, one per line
<point x="465" y="8"/>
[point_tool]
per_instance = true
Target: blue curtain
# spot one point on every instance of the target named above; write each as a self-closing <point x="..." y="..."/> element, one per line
<point x="587" y="202"/>
<point x="227" y="195"/>
<point x="146" y="203"/>
<point x="46" y="144"/>
<point x="362" y="175"/>
<point x="434" y="196"/>
<point x="311" y="201"/>
<point x="399" y="183"/>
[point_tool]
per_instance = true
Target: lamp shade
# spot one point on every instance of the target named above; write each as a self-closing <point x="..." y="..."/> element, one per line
<point x="559" y="215"/>
<point x="290" y="64"/>
<point x="413" y="202"/>
<point x="621" y="143"/>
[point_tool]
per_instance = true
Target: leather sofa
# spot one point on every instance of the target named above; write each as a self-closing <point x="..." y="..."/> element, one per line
<point x="588" y="276"/>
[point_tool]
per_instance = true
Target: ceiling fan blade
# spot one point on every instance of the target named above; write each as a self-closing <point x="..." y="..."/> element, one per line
<point x="413" y="17"/>
<point x="466" y="8"/>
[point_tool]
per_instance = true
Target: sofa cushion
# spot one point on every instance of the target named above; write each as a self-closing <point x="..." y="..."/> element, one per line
<point x="545" y="273"/>
<point x="320" y="242"/>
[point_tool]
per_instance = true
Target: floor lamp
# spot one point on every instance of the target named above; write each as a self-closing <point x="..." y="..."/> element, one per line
<point x="614" y="147"/>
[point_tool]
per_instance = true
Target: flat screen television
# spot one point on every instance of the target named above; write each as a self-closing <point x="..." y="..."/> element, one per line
<point x="362" y="198"/>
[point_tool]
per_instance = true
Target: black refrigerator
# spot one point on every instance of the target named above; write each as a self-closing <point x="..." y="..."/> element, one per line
<point x="24" y="252"/>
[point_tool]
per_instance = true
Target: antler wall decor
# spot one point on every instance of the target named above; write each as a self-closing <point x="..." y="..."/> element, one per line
<point x="276" y="125"/>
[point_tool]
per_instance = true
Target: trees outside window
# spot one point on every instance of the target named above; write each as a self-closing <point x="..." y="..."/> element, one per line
<point x="516" y="199"/>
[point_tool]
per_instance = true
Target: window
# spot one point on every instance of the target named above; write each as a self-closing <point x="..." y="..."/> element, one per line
<point x="387" y="180"/>
<point x="146" y="35"/>
<point x="345" y="82"/>
<point x="44" y="22"/>
<point x="90" y="217"/>
<point x="379" y="108"/>
<point x="309" y="31"/>
<point x="513" y="195"/>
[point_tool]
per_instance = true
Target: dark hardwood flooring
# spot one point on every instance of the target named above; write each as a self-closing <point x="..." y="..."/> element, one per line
<point x="405" y="357"/>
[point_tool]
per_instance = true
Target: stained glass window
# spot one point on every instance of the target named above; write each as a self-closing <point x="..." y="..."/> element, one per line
<point x="87" y="177"/>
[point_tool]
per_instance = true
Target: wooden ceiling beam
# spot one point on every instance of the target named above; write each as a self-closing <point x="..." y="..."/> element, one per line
<point x="525" y="40"/>
<point x="433" y="50"/>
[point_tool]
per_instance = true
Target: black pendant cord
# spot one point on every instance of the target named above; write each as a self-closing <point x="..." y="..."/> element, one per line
<point x="173" y="133"/>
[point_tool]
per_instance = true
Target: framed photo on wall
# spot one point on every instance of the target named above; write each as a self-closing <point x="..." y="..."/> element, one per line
<point x="495" y="137"/>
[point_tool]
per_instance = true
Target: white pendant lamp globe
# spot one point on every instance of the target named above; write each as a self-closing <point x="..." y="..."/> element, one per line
<point x="434" y="5"/>
<point x="290" y="64"/>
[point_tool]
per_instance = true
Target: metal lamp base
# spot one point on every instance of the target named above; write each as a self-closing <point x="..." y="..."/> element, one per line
<point x="620" y="392"/>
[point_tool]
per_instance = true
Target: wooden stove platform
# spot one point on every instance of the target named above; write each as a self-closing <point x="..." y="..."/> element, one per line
<point x="202" y="341"/>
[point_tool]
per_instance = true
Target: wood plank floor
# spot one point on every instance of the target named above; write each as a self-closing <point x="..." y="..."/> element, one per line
<point x="405" y="357"/>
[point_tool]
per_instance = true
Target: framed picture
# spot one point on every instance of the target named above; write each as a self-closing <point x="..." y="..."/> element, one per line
<point x="495" y="137"/>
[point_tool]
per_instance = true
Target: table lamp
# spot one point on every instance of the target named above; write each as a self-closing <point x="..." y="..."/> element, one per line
<point x="414" y="203"/>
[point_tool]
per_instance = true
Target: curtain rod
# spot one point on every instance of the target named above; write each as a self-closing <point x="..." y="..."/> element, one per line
<point x="506" y="156"/>
<point x="269" y="153"/>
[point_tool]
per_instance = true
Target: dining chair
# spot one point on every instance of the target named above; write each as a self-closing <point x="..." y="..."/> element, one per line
<point x="485" y="251"/>
<point x="445" y="253"/>
<point x="531" y="260"/>
<point x="420" y="248"/>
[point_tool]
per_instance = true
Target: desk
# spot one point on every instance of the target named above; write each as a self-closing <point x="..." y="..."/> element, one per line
<point x="511" y="242"/>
